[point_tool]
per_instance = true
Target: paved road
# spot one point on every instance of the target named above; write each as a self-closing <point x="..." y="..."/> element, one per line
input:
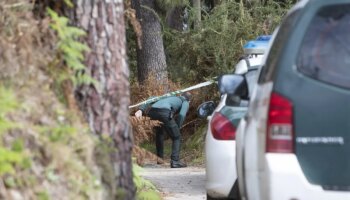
<point x="177" y="184"/>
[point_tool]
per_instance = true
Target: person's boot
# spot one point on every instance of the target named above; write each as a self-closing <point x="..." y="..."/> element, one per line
<point x="177" y="164"/>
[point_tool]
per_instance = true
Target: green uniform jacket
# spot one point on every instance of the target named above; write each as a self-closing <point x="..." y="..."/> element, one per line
<point x="176" y="104"/>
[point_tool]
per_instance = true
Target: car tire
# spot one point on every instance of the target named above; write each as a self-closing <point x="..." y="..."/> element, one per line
<point x="212" y="198"/>
<point x="234" y="194"/>
<point x="237" y="195"/>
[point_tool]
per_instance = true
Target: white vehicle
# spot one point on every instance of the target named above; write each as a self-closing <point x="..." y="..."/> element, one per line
<point x="294" y="142"/>
<point x="220" y="143"/>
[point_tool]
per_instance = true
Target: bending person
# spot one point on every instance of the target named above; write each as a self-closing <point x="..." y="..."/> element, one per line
<point x="165" y="110"/>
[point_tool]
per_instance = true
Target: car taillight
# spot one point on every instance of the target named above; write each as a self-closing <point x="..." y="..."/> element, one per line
<point x="222" y="128"/>
<point x="279" y="138"/>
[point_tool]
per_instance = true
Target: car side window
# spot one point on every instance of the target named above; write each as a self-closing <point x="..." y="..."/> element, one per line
<point x="268" y="69"/>
<point x="324" y="53"/>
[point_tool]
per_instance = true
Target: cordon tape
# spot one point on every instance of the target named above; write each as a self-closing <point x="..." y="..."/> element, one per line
<point x="151" y="100"/>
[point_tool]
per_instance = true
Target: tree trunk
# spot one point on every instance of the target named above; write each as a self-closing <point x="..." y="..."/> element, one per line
<point x="105" y="104"/>
<point x="217" y="2"/>
<point x="174" y="18"/>
<point x="151" y="56"/>
<point x="197" y="8"/>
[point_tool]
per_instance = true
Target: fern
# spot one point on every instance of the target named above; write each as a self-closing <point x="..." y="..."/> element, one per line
<point x="7" y="103"/>
<point x="9" y="158"/>
<point x="70" y="48"/>
<point x="61" y="133"/>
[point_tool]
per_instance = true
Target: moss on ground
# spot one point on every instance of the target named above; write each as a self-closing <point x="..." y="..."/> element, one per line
<point x="145" y="189"/>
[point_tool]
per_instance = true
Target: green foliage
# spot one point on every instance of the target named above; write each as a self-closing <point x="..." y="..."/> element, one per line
<point x="194" y="145"/>
<point x="61" y="152"/>
<point x="196" y="141"/>
<point x="215" y="47"/>
<point x="69" y="3"/>
<point x="66" y="151"/>
<point x="43" y="196"/>
<point x="51" y="175"/>
<point x="60" y="133"/>
<point x="145" y="190"/>
<point x="70" y="48"/>
<point x="6" y="125"/>
<point x="69" y="153"/>
<point x="10" y="182"/>
<point x="148" y="195"/>
<point x="151" y="147"/>
<point x="7" y="103"/>
<point x="17" y="145"/>
<point x="140" y="183"/>
<point x="9" y="158"/>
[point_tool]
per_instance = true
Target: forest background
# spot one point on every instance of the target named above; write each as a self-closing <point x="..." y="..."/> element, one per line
<point x="69" y="69"/>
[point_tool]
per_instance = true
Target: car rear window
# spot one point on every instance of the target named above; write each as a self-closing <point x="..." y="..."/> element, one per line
<point x="325" y="51"/>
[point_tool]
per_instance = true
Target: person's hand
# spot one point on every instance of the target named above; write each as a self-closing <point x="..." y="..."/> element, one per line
<point x="138" y="113"/>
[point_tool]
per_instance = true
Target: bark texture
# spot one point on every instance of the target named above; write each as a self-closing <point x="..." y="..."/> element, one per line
<point x="151" y="57"/>
<point x="105" y="105"/>
<point x="217" y="2"/>
<point x="197" y="7"/>
<point x="174" y="18"/>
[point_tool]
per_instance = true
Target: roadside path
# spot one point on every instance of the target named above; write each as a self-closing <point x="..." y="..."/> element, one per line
<point x="177" y="184"/>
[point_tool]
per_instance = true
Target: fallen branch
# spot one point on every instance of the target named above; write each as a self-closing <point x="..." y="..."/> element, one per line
<point x="190" y="122"/>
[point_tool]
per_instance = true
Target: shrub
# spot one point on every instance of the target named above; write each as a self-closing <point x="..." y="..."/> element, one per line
<point x="215" y="47"/>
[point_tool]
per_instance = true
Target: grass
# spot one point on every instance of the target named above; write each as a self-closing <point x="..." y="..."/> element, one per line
<point x="193" y="147"/>
<point x="151" y="147"/>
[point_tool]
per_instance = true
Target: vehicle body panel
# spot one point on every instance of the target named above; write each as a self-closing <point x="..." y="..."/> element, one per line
<point x="287" y="167"/>
<point x="319" y="167"/>
<point x="220" y="155"/>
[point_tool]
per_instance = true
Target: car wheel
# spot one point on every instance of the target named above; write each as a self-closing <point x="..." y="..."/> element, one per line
<point x="234" y="194"/>
<point x="211" y="198"/>
<point x="237" y="195"/>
